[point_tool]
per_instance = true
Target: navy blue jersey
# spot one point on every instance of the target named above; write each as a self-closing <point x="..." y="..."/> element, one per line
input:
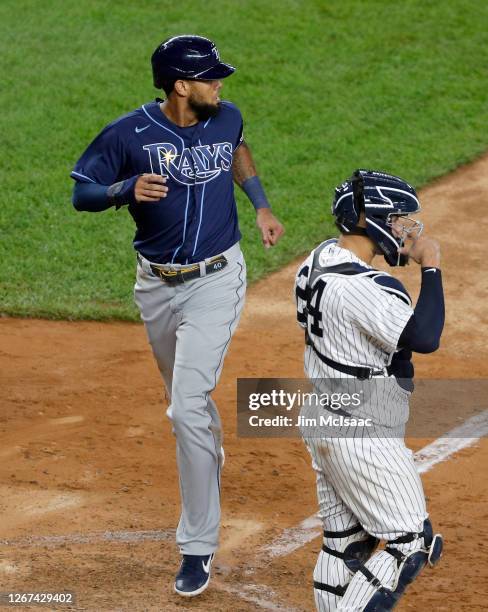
<point x="198" y="218"/>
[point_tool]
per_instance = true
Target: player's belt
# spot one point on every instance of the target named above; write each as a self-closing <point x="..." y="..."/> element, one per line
<point x="182" y="275"/>
<point x="360" y="372"/>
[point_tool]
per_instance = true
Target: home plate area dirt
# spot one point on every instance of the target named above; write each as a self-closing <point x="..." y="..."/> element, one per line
<point x="88" y="483"/>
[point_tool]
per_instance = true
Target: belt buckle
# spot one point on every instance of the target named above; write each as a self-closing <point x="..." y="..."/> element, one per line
<point x="178" y="276"/>
<point x="168" y="275"/>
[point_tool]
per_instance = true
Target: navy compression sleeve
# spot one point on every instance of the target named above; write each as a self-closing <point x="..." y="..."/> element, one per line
<point x="90" y="196"/>
<point x="95" y="198"/>
<point x="423" y="331"/>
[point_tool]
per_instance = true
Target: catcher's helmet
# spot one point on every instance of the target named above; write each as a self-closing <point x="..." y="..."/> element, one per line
<point x="380" y="196"/>
<point x="188" y="57"/>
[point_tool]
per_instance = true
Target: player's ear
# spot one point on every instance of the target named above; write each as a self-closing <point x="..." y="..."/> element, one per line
<point x="182" y="88"/>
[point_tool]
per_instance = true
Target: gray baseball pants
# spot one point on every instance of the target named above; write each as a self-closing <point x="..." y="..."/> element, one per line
<point x="189" y="327"/>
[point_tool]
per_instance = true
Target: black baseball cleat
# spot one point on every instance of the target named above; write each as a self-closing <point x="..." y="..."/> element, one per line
<point x="194" y="575"/>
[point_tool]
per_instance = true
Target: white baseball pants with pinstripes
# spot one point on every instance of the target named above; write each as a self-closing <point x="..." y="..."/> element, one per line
<point x="372" y="481"/>
<point x="189" y="327"/>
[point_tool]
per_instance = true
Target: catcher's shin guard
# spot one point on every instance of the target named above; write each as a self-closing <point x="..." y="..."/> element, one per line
<point x="379" y="584"/>
<point x="342" y="554"/>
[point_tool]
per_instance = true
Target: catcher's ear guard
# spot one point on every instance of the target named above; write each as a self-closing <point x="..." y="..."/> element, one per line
<point x="347" y="204"/>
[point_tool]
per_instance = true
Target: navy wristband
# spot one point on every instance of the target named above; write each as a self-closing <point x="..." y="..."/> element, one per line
<point x="254" y="190"/>
<point x="123" y="192"/>
<point x="93" y="197"/>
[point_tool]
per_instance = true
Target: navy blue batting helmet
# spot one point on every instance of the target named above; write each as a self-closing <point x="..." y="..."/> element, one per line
<point x="188" y="57"/>
<point x="381" y="197"/>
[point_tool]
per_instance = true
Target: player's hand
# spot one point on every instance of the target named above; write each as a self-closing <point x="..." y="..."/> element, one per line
<point x="271" y="228"/>
<point x="424" y="251"/>
<point x="150" y="188"/>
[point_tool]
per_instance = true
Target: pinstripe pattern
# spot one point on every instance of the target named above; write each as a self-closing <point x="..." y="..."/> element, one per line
<point x="364" y="475"/>
<point x="362" y="319"/>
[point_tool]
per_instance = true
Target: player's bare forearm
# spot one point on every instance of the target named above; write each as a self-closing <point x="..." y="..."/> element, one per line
<point x="243" y="166"/>
<point x="245" y="175"/>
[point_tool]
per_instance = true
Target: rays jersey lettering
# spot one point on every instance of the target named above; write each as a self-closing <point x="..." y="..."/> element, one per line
<point x="198" y="218"/>
<point x="193" y="165"/>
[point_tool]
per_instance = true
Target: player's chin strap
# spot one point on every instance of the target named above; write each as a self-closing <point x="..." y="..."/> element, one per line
<point x="409" y="562"/>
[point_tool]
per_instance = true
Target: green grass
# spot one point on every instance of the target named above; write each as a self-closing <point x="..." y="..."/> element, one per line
<point x="324" y="87"/>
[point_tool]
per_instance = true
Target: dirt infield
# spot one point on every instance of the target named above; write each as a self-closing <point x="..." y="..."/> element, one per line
<point x="89" y="493"/>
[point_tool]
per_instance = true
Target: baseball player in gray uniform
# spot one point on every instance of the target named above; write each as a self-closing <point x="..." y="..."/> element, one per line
<point x="173" y="162"/>
<point x="360" y="329"/>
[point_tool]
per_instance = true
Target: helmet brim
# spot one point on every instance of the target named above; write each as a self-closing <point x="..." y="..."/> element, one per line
<point x="215" y="73"/>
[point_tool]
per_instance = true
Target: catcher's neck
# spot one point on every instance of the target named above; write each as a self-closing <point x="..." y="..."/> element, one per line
<point x="362" y="246"/>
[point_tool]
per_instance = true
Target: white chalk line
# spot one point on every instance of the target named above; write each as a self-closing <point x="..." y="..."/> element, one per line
<point x="262" y="596"/>
<point x="310" y="528"/>
<point x="291" y="539"/>
<point x="457" y="439"/>
<point x="441" y="449"/>
<point x="251" y="593"/>
<point x="91" y="538"/>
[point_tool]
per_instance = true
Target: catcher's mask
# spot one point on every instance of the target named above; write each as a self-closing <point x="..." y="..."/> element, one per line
<point x="386" y="201"/>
